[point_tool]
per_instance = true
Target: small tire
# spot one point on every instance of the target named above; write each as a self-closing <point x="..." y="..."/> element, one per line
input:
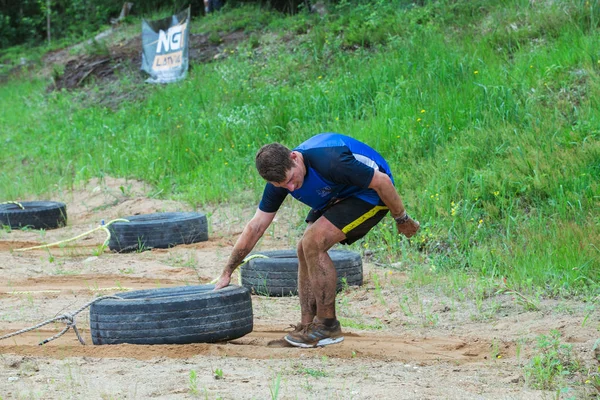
<point x="160" y="230"/>
<point x="34" y="214"/>
<point x="176" y="315"/>
<point x="277" y="275"/>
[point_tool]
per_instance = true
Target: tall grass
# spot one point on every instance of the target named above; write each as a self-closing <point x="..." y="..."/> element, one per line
<point x="487" y="111"/>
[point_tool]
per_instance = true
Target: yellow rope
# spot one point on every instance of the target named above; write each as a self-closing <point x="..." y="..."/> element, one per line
<point x="108" y="289"/>
<point x="238" y="270"/>
<point x="103" y="227"/>
<point x="32" y="291"/>
<point x="14" y="202"/>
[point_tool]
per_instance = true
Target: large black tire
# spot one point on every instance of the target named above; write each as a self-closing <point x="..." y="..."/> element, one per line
<point x="277" y="275"/>
<point x="160" y="230"/>
<point x="177" y="315"/>
<point x="35" y="215"/>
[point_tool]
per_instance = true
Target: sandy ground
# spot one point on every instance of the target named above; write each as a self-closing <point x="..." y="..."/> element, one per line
<point x="417" y="343"/>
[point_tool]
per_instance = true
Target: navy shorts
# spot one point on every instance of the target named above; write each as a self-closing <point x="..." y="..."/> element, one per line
<point x="354" y="217"/>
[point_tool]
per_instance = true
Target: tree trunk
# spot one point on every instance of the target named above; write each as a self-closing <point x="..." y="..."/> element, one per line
<point x="48" y="20"/>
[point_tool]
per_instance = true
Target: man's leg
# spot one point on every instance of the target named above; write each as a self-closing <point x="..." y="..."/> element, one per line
<point x="344" y="222"/>
<point x="317" y="281"/>
<point x="318" y="238"/>
<point x="308" y="305"/>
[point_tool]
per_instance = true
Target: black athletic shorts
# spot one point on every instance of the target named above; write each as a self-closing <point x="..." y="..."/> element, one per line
<point x="354" y="217"/>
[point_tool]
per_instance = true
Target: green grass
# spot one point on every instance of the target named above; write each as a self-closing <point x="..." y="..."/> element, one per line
<point x="486" y="110"/>
<point x="553" y="365"/>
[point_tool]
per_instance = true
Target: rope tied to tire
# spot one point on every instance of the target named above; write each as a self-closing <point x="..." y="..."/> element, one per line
<point x="68" y="318"/>
<point x="14" y="202"/>
<point x="102" y="226"/>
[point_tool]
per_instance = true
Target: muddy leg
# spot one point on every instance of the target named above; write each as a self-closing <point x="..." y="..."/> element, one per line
<point x="308" y="305"/>
<point x="317" y="240"/>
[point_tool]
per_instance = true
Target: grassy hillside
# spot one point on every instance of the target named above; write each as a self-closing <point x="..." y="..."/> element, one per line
<point x="488" y="112"/>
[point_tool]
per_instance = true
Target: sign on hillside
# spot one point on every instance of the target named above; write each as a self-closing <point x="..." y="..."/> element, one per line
<point x="165" y="48"/>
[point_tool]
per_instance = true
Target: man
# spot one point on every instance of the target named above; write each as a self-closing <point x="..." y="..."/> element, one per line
<point x="350" y="188"/>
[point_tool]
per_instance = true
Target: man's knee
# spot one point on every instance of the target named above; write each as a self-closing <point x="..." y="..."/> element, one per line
<point x="300" y="249"/>
<point x="312" y="244"/>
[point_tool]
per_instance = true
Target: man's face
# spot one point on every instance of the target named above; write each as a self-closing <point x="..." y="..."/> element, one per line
<point x="294" y="177"/>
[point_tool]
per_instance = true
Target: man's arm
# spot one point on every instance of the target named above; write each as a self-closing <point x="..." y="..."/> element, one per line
<point x="384" y="187"/>
<point x="253" y="231"/>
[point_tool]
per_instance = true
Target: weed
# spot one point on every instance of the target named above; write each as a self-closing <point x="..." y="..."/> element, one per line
<point x="344" y="284"/>
<point x="141" y="245"/>
<point x="552" y="365"/>
<point x="125" y="190"/>
<point x="528" y="303"/>
<point x="98" y="251"/>
<point x="262" y="288"/>
<point x="274" y="387"/>
<point x="405" y="306"/>
<point x="253" y="41"/>
<point x="590" y="311"/>
<point x="307" y="386"/>
<point x="495" y="350"/>
<point x="218" y="373"/>
<point x="193" y="383"/>
<point x="378" y="289"/>
<point x="519" y="348"/>
<point x="186" y="261"/>
<point x="61" y="271"/>
<point x="30" y="300"/>
<point x="214" y="38"/>
<point x="315" y="373"/>
<point x="375" y="326"/>
<point x="430" y="319"/>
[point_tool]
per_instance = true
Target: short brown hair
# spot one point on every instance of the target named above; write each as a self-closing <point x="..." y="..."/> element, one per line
<point x="273" y="162"/>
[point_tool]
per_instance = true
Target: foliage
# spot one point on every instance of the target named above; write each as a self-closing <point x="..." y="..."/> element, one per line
<point x="27" y="23"/>
<point x="487" y="112"/>
<point x="553" y="365"/>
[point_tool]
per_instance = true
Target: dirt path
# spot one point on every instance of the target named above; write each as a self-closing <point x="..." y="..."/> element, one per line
<point x="253" y="345"/>
<point x="408" y="343"/>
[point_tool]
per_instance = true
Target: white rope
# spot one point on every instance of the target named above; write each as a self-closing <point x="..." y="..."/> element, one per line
<point x="68" y="318"/>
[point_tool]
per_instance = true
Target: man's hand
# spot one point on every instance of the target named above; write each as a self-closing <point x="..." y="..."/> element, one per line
<point x="223" y="281"/>
<point x="406" y="225"/>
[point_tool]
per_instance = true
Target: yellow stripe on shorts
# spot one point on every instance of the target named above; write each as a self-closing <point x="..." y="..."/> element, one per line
<point x="363" y="218"/>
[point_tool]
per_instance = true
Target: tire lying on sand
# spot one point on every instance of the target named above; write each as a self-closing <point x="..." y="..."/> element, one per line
<point x="277" y="275"/>
<point x="176" y="315"/>
<point x="160" y="230"/>
<point x="34" y="214"/>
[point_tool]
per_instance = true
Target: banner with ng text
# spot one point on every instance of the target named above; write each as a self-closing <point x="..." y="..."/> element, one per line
<point x="165" y="48"/>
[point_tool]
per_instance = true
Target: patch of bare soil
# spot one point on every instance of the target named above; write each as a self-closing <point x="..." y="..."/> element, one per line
<point x="407" y="341"/>
<point x="102" y="64"/>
